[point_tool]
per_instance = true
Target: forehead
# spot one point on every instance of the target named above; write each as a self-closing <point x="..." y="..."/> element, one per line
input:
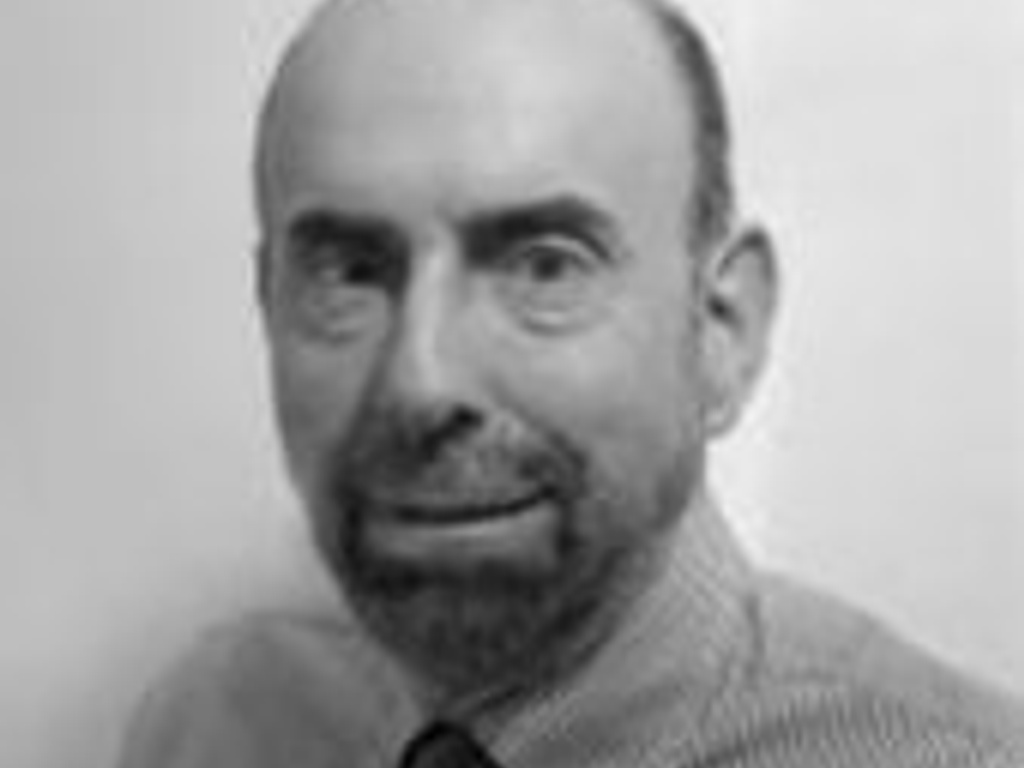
<point x="444" y="101"/>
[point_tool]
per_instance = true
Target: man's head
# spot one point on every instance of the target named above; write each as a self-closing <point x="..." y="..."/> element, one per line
<point x="506" y="311"/>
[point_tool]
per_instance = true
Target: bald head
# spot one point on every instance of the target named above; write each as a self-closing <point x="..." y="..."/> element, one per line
<point x="368" y="48"/>
<point x="474" y="241"/>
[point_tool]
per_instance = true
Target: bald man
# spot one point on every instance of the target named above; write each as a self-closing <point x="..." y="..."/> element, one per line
<point x="508" y="303"/>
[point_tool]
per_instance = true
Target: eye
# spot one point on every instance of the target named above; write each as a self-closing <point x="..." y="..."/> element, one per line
<point x="341" y="251"/>
<point x="550" y="280"/>
<point x="336" y="262"/>
<point x="334" y="278"/>
<point x="550" y="262"/>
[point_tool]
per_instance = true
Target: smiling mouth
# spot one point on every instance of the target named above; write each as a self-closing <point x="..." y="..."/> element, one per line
<point x="454" y="512"/>
<point x="461" y="532"/>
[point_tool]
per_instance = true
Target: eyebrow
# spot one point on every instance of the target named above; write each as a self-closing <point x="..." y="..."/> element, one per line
<point x="565" y="213"/>
<point x="483" y="232"/>
<point x="373" y="232"/>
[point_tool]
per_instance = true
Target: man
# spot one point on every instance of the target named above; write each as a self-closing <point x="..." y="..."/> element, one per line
<point x="508" y="303"/>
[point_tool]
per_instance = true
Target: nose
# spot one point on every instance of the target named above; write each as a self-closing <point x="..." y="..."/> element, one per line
<point x="429" y="365"/>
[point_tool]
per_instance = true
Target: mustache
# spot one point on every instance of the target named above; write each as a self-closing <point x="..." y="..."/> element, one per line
<point x="422" y="454"/>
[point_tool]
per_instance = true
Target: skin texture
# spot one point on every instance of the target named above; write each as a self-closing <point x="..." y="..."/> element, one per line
<point x="496" y="362"/>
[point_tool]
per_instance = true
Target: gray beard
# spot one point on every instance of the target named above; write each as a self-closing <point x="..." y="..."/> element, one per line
<point x="485" y="630"/>
<point x="487" y="634"/>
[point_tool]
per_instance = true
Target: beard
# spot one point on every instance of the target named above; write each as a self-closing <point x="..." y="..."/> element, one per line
<point x="489" y="625"/>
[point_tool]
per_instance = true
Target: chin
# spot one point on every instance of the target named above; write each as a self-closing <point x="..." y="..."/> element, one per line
<point x="491" y="630"/>
<point x="493" y="612"/>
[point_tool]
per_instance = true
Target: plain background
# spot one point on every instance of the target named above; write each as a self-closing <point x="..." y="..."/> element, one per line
<point x="141" y="496"/>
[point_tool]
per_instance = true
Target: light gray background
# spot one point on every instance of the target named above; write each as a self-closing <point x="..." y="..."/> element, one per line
<point x="140" y="492"/>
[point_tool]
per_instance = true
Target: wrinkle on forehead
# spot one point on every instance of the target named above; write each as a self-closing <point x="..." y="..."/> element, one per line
<point x="495" y="79"/>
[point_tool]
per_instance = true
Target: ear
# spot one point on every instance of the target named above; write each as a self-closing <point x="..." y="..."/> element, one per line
<point x="738" y="294"/>
<point x="261" y="275"/>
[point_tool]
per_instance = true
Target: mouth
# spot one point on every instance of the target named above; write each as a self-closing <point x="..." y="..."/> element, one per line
<point x="442" y="511"/>
<point x="455" y="530"/>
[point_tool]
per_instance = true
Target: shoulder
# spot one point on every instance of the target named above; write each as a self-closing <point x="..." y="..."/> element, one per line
<point x="265" y="686"/>
<point x="828" y="677"/>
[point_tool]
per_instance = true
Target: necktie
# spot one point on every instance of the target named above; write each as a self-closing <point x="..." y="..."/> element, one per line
<point x="442" y="745"/>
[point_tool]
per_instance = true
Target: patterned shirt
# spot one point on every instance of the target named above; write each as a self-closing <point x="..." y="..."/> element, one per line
<point x="720" y="666"/>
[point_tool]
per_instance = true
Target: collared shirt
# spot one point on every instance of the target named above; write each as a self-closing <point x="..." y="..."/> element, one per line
<point x="719" y="666"/>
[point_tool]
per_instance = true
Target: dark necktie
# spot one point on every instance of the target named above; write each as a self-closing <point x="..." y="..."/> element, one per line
<point x="442" y="745"/>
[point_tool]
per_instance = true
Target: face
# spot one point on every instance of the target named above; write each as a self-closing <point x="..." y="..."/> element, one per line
<point x="483" y="322"/>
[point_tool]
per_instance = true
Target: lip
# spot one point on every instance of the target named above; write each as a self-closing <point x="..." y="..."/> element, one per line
<point x="443" y="512"/>
<point x="460" y="534"/>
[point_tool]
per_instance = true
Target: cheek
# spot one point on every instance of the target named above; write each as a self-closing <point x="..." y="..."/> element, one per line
<point x="627" y="396"/>
<point x="317" y="393"/>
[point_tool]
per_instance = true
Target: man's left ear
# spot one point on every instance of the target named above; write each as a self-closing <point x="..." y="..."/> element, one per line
<point x="738" y="297"/>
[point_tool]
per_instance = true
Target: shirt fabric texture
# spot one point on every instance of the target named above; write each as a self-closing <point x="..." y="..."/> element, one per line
<point x="719" y="666"/>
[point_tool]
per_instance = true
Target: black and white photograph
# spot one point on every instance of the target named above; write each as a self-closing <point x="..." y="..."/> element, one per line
<point x="512" y="383"/>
